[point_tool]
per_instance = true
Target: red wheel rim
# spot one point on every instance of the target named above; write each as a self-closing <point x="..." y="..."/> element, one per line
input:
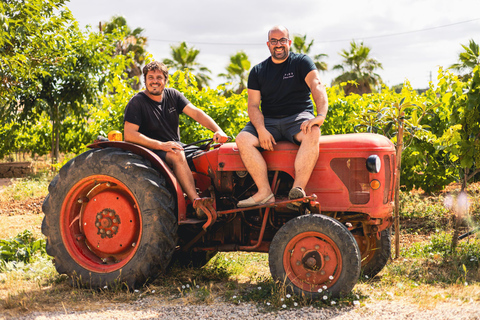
<point x="312" y="261"/>
<point x="100" y="223"/>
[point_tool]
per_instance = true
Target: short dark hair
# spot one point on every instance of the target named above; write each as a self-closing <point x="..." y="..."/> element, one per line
<point x="155" y="65"/>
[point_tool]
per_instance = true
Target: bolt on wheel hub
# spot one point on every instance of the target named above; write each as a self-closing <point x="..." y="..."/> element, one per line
<point x="107" y="223"/>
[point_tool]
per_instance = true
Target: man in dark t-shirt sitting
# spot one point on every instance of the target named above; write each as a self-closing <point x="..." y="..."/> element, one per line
<point x="152" y="120"/>
<point x="281" y="87"/>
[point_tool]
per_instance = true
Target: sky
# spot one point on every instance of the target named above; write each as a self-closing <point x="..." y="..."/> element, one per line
<point x="411" y="38"/>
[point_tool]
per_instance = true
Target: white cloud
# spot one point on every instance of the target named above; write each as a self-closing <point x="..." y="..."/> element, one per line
<point x="220" y="28"/>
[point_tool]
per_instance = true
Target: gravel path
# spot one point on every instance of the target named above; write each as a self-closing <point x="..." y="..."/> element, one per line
<point x="152" y="308"/>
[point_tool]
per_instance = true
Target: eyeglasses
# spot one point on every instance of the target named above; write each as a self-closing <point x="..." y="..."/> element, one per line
<point x="282" y="41"/>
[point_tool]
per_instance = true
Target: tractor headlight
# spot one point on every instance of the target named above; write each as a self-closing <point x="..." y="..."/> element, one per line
<point x="374" y="164"/>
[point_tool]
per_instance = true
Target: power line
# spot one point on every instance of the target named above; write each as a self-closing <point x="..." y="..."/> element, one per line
<point x="405" y="32"/>
<point x="324" y="41"/>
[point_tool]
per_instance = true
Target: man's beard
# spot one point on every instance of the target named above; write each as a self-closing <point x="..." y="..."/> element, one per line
<point x="280" y="55"/>
<point x="157" y="92"/>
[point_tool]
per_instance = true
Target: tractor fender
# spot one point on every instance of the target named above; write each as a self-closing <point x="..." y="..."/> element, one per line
<point x="156" y="162"/>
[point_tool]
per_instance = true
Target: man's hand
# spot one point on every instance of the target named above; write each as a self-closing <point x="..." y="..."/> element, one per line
<point x="306" y="126"/>
<point x="220" y="137"/>
<point x="267" y="141"/>
<point x="171" y="146"/>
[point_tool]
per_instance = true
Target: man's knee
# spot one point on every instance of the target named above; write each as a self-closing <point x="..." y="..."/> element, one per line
<point x="245" y="139"/>
<point x="176" y="158"/>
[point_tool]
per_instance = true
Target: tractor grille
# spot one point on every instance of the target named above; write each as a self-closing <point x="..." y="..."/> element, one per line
<point x="354" y="175"/>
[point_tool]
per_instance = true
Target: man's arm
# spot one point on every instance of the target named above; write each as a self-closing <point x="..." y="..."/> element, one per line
<point x="133" y="135"/>
<point x="256" y="118"/>
<point x="319" y="94"/>
<point x="205" y="120"/>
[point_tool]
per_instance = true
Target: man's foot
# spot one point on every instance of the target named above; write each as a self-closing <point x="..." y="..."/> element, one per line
<point x="250" y="202"/>
<point x="295" y="193"/>
<point x="198" y="210"/>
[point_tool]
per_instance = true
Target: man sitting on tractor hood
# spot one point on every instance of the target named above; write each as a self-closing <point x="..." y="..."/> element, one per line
<point x="152" y="120"/>
<point x="281" y="86"/>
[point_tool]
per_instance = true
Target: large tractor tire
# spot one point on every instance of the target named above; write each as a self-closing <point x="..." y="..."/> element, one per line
<point x="315" y="255"/>
<point x="375" y="252"/>
<point x="110" y="220"/>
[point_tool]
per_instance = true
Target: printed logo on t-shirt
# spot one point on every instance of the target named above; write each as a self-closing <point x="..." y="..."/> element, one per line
<point x="288" y="75"/>
<point x="171" y="109"/>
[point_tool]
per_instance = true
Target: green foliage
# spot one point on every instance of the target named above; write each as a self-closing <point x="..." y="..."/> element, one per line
<point x="461" y="139"/>
<point x="229" y="113"/>
<point x="21" y="248"/>
<point x="358" y="66"/>
<point x="237" y="72"/>
<point x="184" y="58"/>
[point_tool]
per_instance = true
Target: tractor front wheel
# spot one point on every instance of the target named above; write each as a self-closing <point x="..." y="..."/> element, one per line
<point x="315" y="255"/>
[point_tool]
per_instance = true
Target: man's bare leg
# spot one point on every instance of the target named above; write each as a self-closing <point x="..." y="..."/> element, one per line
<point x="307" y="156"/>
<point x="182" y="173"/>
<point x="254" y="163"/>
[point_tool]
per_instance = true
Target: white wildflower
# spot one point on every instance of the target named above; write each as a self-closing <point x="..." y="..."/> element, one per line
<point x="106" y="287"/>
<point x="188" y="286"/>
<point x="259" y="288"/>
<point x="288" y="296"/>
<point x="319" y="290"/>
<point x="153" y="291"/>
<point x="183" y="286"/>
<point x="325" y="297"/>
<point x="284" y="306"/>
<point x="331" y="277"/>
<point x="356" y="303"/>
<point x="136" y="291"/>
<point x="325" y="287"/>
<point x="295" y="304"/>
<point x="333" y="303"/>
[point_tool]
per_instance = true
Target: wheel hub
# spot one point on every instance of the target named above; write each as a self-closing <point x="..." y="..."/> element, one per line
<point x="107" y="223"/>
<point x="312" y="261"/>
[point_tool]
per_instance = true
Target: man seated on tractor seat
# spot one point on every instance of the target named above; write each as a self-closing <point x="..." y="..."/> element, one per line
<point x="281" y="86"/>
<point x="152" y="120"/>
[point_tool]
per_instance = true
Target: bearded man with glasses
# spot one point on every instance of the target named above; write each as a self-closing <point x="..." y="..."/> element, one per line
<point x="280" y="108"/>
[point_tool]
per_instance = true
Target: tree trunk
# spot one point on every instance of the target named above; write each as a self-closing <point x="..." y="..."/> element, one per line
<point x="55" y="134"/>
<point x="397" y="187"/>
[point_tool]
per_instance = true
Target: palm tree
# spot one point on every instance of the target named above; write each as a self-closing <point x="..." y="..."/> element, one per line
<point x="359" y="67"/>
<point x="467" y="60"/>
<point x="133" y="43"/>
<point x="184" y="59"/>
<point x="238" y="71"/>
<point x="300" y="45"/>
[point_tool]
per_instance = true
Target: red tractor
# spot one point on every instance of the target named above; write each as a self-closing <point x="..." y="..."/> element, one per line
<point x="116" y="213"/>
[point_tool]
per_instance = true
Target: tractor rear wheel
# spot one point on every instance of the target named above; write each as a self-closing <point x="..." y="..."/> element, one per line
<point x="315" y="255"/>
<point x="375" y="252"/>
<point x="109" y="219"/>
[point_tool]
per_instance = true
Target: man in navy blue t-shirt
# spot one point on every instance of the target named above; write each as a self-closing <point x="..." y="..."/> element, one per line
<point x="152" y="120"/>
<point x="280" y="108"/>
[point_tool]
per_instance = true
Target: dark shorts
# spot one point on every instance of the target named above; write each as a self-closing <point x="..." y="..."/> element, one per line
<point x="163" y="154"/>
<point x="189" y="151"/>
<point x="282" y="128"/>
